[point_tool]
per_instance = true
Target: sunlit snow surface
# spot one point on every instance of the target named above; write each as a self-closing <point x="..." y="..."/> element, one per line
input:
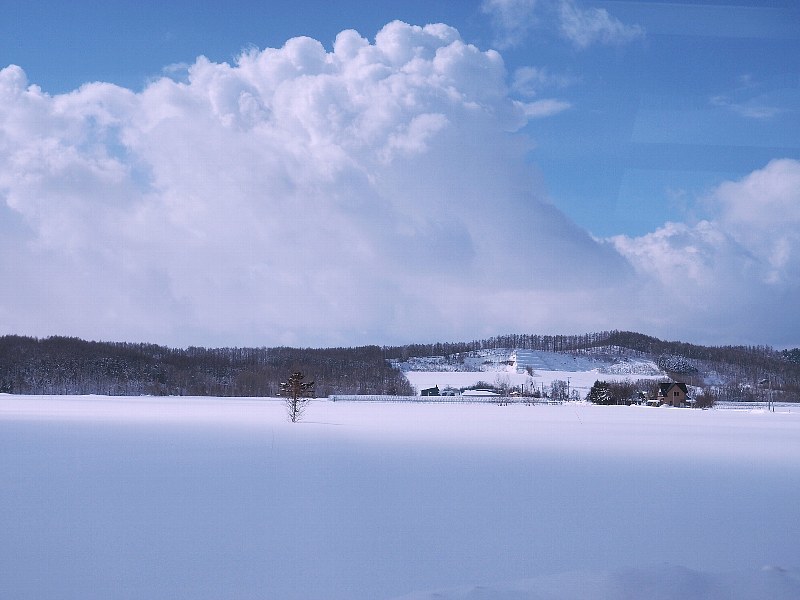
<point x="223" y="498"/>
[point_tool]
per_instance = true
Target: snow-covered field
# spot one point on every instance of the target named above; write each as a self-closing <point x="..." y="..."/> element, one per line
<point x="202" y="498"/>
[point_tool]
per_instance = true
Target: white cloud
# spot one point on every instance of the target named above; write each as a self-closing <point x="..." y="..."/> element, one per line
<point x="756" y="108"/>
<point x="584" y="27"/>
<point x="737" y="274"/>
<point x="375" y="192"/>
<point x="753" y="98"/>
<point x="529" y="81"/>
<point x="513" y="20"/>
<point x="762" y="213"/>
<point x="544" y="108"/>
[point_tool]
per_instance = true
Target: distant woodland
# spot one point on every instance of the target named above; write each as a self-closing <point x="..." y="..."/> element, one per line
<point x="61" y="365"/>
<point x="64" y="365"/>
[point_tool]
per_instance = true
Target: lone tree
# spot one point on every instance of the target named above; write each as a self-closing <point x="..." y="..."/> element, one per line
<point x="298" y="394"/>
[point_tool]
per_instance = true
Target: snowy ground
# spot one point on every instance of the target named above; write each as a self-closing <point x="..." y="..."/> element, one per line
<point x="222" y="498"/>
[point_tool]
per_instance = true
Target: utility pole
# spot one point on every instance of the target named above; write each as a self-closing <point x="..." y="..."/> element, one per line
<point x="770" y="403"/>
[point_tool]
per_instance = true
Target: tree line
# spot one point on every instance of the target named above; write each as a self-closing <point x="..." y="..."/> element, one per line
<point x="545" y="343"/>
<point x="65" y="365"/>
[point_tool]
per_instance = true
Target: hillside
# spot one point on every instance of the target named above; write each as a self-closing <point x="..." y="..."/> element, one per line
<point x="732" y="373"/>
<point x="555" y="374"/>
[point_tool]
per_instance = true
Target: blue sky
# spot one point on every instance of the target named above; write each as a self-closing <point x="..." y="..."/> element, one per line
<point x="637" y="115"/>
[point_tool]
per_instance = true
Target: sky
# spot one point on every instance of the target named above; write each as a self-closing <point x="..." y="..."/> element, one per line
<point x="313" y="174"/>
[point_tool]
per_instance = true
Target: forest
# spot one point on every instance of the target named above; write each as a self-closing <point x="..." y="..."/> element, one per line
<point x="63" y="365"/>
<point x="67" y="365"/>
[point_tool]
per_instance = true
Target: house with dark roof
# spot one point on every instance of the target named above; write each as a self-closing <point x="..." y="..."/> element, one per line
<point x="673" y="393"/>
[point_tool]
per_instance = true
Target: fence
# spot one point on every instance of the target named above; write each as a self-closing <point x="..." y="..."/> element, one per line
<point x="779" y="406"/>
<point x="503" y="400"/>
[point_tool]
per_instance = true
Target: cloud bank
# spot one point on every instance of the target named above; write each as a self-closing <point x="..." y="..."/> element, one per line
<point x="376" y="192"/>
<point x="737" y="272"/>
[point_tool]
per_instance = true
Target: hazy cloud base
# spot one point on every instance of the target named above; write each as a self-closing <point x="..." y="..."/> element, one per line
<point x="374" y="193"/>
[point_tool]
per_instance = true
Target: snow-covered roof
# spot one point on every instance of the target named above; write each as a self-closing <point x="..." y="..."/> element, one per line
<point x="479" y="393"/>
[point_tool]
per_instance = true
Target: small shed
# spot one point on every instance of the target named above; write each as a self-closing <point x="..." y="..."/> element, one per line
<point x="434" y="391"/>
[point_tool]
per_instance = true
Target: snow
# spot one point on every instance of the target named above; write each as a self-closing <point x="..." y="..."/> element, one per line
<point x="203" y="498"/>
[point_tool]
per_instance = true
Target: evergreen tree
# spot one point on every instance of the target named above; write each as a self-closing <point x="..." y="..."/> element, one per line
<point x="298" y="394"/>
<point x="600" y="393"/>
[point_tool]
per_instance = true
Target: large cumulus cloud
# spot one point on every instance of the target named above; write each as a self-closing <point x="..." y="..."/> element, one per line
<point x="373" y="192"/>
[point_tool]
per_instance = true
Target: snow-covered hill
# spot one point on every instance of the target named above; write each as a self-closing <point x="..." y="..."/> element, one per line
<point x="518" y="368"/>
<point x="507" y="360"/>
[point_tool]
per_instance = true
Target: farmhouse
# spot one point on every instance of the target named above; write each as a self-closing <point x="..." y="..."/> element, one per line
<point x="434" y="391"/>
<point x="673" y="394"/>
